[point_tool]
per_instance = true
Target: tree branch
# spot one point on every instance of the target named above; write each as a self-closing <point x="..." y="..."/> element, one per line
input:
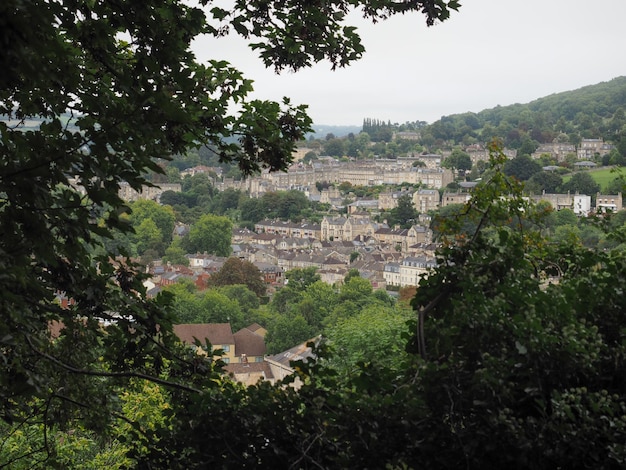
<point x="96" y="373"/>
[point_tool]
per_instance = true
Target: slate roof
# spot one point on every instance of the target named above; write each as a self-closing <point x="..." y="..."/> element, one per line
<point x="301" y="352"/>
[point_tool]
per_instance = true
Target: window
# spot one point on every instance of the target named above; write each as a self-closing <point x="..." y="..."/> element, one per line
<point x="226" y="347"/>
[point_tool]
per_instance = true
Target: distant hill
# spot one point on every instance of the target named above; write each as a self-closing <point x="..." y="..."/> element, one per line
<point x="595" y="111"/>
<point x="322" y="130"/>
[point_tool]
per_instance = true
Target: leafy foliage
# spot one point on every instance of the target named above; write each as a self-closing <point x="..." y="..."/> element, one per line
<point x="236" y="271"/>
<point x="404" y="214"/>
<point x="583" y="183"/>
<point x="518" y="361"/>
<point x="211" y="234"/>
<point x="590" y="112"/>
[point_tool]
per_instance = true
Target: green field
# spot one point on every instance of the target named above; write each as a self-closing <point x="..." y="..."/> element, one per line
<point x="602" y="176"/>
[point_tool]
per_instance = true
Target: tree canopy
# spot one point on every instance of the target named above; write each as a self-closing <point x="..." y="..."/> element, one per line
<point x="239" y="272"/>
<point x="211" y="234"/>
<point x="583" y="183"/>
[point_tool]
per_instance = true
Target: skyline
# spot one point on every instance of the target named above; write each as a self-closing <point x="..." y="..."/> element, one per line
<point x="476" y="60"/>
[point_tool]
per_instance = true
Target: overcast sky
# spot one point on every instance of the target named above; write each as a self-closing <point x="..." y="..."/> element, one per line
<point x="492" y="52"/>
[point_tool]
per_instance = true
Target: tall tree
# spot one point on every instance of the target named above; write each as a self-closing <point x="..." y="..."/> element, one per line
<point x="236" y="271"/>
<point x="458" y="160"/>
<point x="522" y="167"/>
<point x="404" y="214"/>
<point x="211" y="233"/>
<point x="162" y="216"/>
<point x="547" y="181"/>
<point x="583" y="183"/>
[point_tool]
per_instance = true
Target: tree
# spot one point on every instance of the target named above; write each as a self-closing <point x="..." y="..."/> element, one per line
<point x="236" y="271"/>
<point x="547" y="181"/>
<point x="248" y="301"/>
<point x="301" y="278"/>
<point x="334" y="147"/>
<point x="252" y="210"/>
<point x="291" y="204"/>
<point x="162" y="216"/>
<point x="565" y="217"/>
<point x="616" y="185"/>
<point x="287" y="331"/>
<point x="296" y="283"/>
<point x="211" y="234"/>
<point x="404" y="214"/>
<point x="148" y="236"/>
<point x="173" y="198"/>
<point x="316" y="304"/>
<point x="186" y="303"/>
<point x="528" y="147"/>
<point x="505" y="348"/>
<point x="116" y="89"/>
<point x="218" y="308"/>
<point x="175" y="253"/>
<point x="522" y="167"/>
<point x="583" y="183"/>
<point x="458" y="160"/>
<point x="372" y="335"/>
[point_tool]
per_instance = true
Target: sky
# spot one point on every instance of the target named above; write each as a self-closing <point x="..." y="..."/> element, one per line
<point x="489" y="53"/>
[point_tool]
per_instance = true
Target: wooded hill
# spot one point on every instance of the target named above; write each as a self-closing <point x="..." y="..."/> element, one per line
<point x="595" y="111"/>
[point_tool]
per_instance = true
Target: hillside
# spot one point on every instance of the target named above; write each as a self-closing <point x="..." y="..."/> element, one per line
<point x="595" y="111"/>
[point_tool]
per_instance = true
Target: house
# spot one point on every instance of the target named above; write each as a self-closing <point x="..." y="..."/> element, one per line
<point x="409" y="271"/>
<point x="302" y="229"/>
<point x="413" y="268"/>
<point x="609" y="202"/>
<point x="391" y="273"/>
<point x="249" y="346"/>
<point x="361" y="205"/>
<point x="403" y="237"/>
<point x="245" y="346"/>
<point x="306" y="230"/>
<point x="250" y="373"/>
<point x="557" y="201"/>
<point x="265" y="239"/>
<point x="205" y="261"/>
<point x="332" y="228"/>
<point x="454" y="198"/>
<point x="271" y="273"/>
<point x="346" y="228"/>
<point x="242" y="235"/>
<point x="557" y="150"/>
<point x="128" y="193"/>
<point x="219" y="335"/>
<point x="389" y="199"/>
<point x="244" y="351"/>
<point x="258" y="329"/>
<point x="589" y="148"/>
<point x="426" y="200"/>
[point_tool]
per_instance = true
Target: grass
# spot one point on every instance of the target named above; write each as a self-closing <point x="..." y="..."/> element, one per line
<point x="603" y="176"/>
